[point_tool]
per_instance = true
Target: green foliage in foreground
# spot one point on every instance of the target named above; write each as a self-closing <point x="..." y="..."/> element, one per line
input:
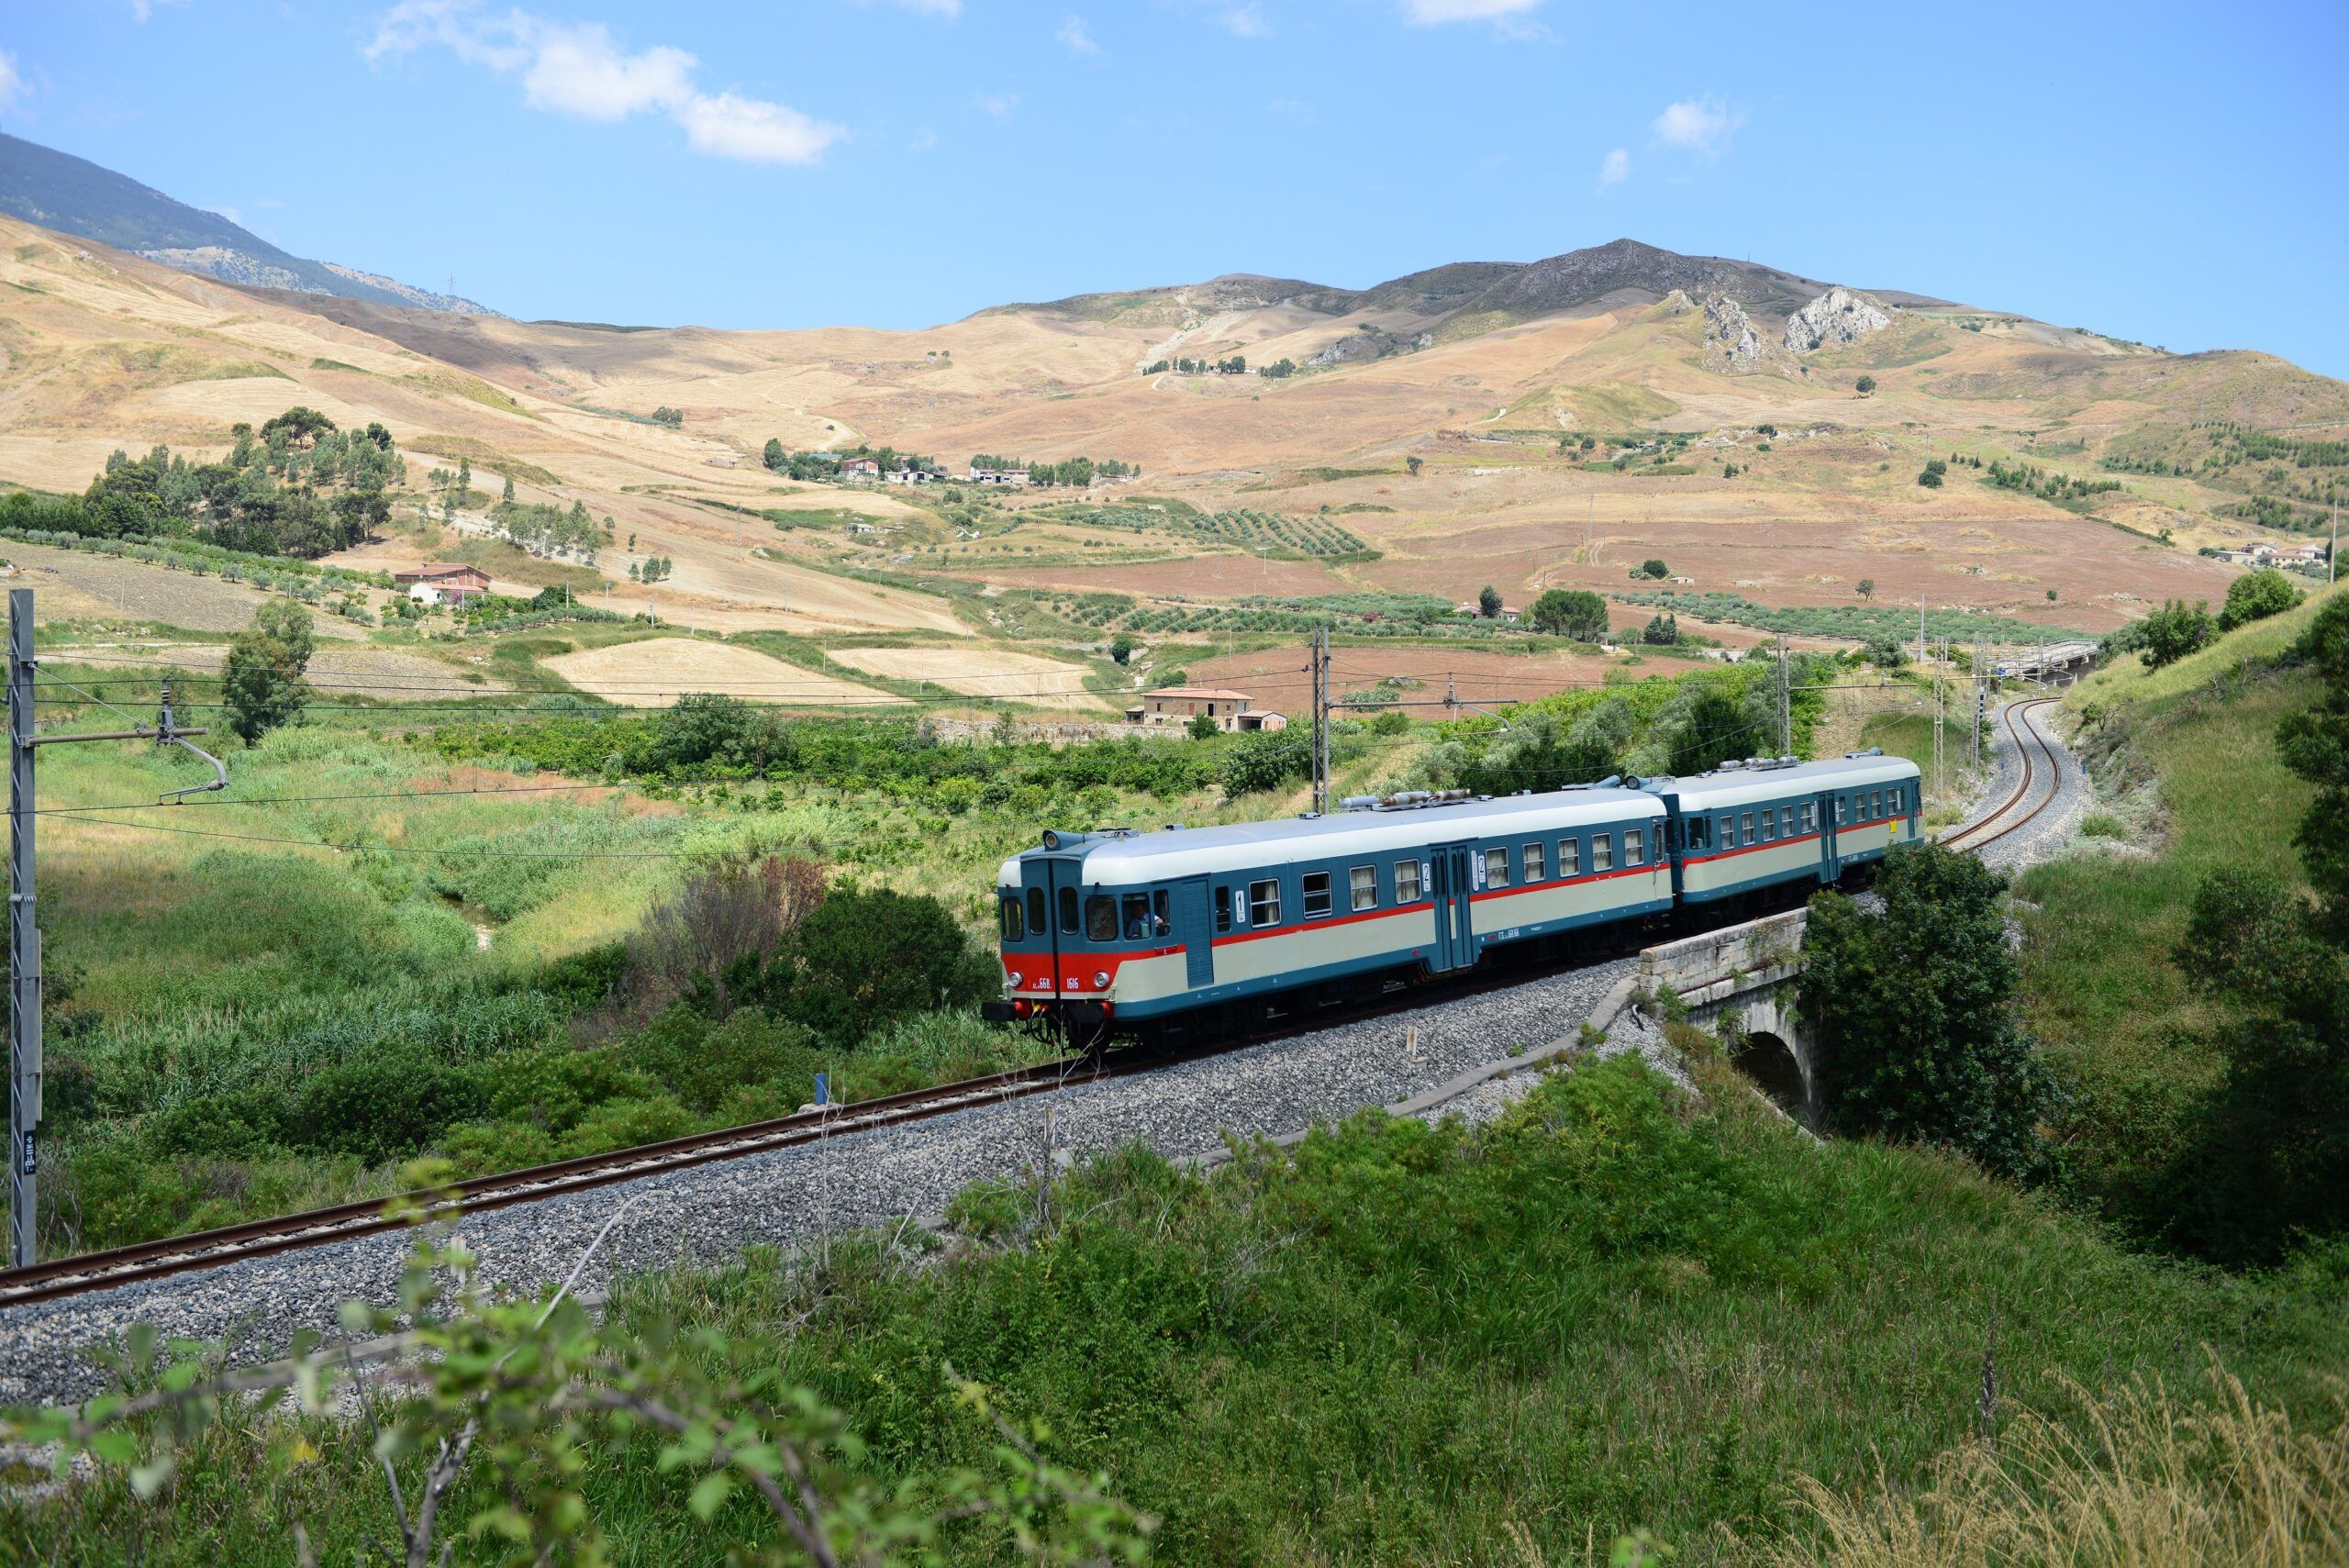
<point x="1615" y="1310"/>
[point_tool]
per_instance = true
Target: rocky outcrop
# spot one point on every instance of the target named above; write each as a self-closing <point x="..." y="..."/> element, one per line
<point x="1676" y="303"/>
<point x="1728" y="332"/>
<point x="1836" y="319"/>
<point x="1369" y="342"/>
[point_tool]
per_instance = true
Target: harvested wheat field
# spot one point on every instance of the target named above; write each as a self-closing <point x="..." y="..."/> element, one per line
<point x="979" y="673"/>
<point x="658" y="670"/>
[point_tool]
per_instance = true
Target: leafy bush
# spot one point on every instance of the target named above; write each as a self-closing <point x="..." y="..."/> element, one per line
<point x="2255" y="595"/>
<point x="1266" y="761"/>
<point x="861" y="960"/>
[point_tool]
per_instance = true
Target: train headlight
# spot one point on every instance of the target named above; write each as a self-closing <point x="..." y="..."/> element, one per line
<point x="1101" y="979"/>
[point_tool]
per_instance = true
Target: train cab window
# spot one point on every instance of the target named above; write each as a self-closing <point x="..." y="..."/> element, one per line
<point x="1015" y="919"/>
<point x="1100" y="919"/>
<point x="1602" y="852"/>
<point x="1769" y="823"/>
<point x="1570" y="857"/>
<point x="1536" y="866"/>
<point x="1036" y="920"/>
<point x="1635" y="848"/>
<point x="1068" y="911"/>
<point x="1495" y="868"/>
<point x="1408" y="881"/>
<point x="1138" y="923"/>
<point x="1223" y="908"/>
<point x="1363" y="887"/>
<point x="1264" y="902"/>
<point x="1700" y="834"/>
<point x="1317" y="894"/>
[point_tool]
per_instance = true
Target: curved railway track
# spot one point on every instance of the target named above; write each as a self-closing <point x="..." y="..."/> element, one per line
<point x="2040" y="773"/>
<point x="92" y="1272"/>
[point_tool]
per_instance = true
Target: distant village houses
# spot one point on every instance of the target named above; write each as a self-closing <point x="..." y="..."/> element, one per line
<point x="1002" y="478"/>
<point x="859" y="470"/>
<point x="444" y="583"/>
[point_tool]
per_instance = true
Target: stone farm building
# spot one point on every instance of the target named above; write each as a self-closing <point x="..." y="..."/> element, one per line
<point x="1180" y="705"/>
<point x="444" y="583"/>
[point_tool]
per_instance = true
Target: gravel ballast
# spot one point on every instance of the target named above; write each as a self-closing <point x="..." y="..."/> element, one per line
<point x="709" y="1214"/>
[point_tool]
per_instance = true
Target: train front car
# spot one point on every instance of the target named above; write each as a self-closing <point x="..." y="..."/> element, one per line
<point x="1184" y="931"/>
<point x="1765" y="830"/>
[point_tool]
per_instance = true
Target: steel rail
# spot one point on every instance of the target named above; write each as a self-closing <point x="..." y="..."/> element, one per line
<point x="2026" y="737"/>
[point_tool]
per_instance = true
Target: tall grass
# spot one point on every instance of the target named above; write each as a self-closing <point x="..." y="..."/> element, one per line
<point x="2138" y="1477"/>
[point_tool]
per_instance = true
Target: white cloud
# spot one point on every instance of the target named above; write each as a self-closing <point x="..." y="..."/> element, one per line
<point x="1433" y="13"/>
<point x="998" y="104"/>
<point x="950" y="9"/>
<point x="12" y="81"/>
<point x="1076" y="38"/>
<point x="1700" y="125"/>
<point x="144" y="10"/>
<point x="1292" y="108"/>
<point x="580" y="69"/>
<point x="1616" y="169"/>
<point x="923" y="143"/>
<point x="1244" y="22"/>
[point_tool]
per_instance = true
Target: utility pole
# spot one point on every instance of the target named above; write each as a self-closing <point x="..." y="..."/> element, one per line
<point x="1920" y="629"/>
<point x="24" y="926"/>
<point x="1321" y="719"/>
<point x="2333" y="548"/>
<point x="1981" y="692"/>
<point x="1941" y="705"/>
<point x="1786" y="702"/>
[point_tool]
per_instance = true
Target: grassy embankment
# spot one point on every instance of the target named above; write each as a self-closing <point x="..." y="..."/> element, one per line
<point x="2190" y="752"/>
<point x="1617" y="1311"/>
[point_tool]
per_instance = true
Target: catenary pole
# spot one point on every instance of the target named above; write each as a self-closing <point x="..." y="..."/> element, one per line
<point x="23" y="941"/>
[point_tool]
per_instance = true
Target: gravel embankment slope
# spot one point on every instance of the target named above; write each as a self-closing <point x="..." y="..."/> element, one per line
<point x="792" y="1197"/>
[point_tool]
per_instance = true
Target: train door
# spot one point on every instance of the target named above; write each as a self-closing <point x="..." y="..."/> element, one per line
<point x="1456" y="937"/>
<point x="1198" y="933"/>
<point x="1830" y="860"/>
<point x="1054" y="880"/>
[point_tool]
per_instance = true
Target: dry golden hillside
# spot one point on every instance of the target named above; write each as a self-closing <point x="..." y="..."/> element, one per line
<point x="1438" y="420"/>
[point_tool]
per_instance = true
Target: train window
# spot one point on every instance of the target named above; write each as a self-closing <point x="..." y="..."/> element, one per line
<point x="1223" y="908"/>
<point x="1137" y="921"/>
<point x="1602" y="852"/>
<point x="1808" y="821"/>
<point x="1570" y="857"/>
<point x="1364" y="883"/>
<point x="1317" y="894"/>
<point x="1163" y="902"/>
<point x="1100" y="919"/>
<point x="1655" y="843"/>
<point x="1068" y="911"/>
<point x="1634" y="847"/>
<point x="1495" y="868"/>
<point x="1747" y="826"/>
<point x="1265" y="902"/>
<point x="1838" y="811"/>
<point x="1700" y="834"/>
<point x="1408" y="881"/>
<point x="1769" y="823"/>
<point x="1876" y="803"/>
<point x="1015" y="922"/>
<point x="1729" y="829"/>
<point x="1536" y="866"/>
<point x="1036" y="920"/>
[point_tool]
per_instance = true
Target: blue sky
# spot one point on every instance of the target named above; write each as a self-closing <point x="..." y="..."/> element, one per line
<point x="2152" y="171"/>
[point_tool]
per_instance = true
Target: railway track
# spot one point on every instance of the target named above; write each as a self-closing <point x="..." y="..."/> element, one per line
<point x="91" y="1271"/>
<point x="2040" y="773"/>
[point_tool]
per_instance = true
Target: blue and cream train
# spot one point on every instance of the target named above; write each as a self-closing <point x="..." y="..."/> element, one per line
<point x="1157" y="933"/>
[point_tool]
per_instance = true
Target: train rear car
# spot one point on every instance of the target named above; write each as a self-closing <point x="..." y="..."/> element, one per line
<point x="1749" y="829"/>
<point x="1155" y="932"/>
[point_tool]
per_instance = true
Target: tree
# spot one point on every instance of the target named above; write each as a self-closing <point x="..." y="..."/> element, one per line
<point x="1266" y="760"/>
<point x="1415" y="465"/>
<point x="1571" y="612"/>
<point x="1865" y="385"/>
<point x="1867" y="588"/>
<point x="262" y="685"/>
<point x="506" y="497"/>
<point x="2174" y="631"/>
<point x="2051" y="596"/>
<point x="774" y="457"/>
<point x="1912" y="1006"/>
<point x="1121" y="648"/>
<point x="464" y="482"/>
<point x="1202" y="728"/>
<point x="862" y="960"/>
<point x="1654" y="567"/>
<point x="1662" y="631"/>
<point x="1931" y="476"/>
<point x="1488" y="602"/>
<point x="2255" y="595"/>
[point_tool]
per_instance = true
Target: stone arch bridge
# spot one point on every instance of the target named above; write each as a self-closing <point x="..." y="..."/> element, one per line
<point x="1739" y="982"/>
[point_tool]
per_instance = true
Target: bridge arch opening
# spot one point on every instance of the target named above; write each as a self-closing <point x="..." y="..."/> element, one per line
<point x="1769" y="1061"/>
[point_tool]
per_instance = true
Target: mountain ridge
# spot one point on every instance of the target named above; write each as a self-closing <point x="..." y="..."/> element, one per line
<point x="74" y="195"/>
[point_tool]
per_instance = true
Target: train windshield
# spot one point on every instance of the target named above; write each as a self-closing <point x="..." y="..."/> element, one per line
<point x="1015" y="919"/>
<point x="1100" y="919"/>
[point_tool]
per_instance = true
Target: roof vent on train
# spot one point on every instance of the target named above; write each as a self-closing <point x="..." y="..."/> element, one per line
<point x="1871" y="752"/>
